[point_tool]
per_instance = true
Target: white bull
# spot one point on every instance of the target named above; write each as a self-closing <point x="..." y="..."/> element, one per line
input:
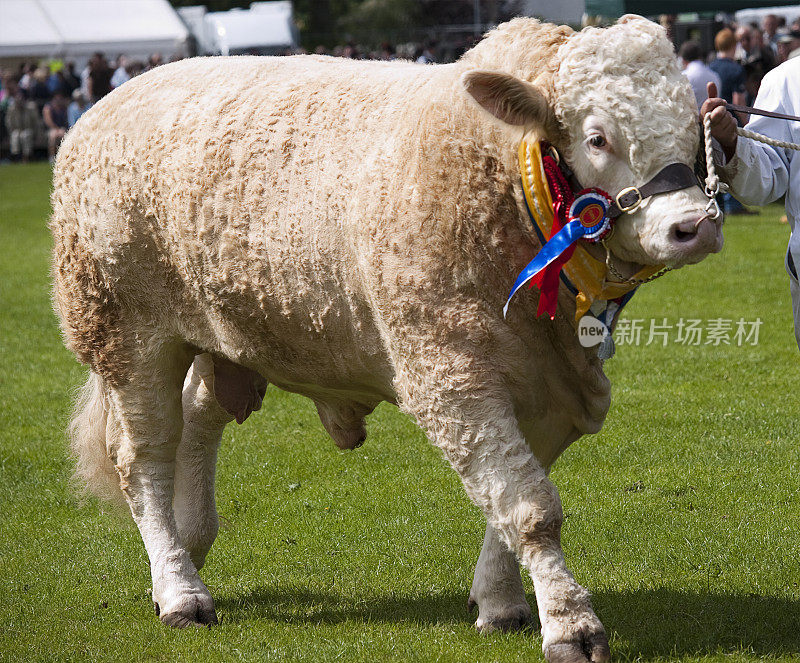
<point x="349" y="231"/>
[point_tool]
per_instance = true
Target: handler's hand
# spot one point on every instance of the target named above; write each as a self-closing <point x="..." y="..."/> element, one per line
<point x="723" y="126"/>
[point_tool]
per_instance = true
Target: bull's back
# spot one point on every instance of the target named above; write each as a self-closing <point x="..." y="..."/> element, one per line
<point x="234" y="195"/>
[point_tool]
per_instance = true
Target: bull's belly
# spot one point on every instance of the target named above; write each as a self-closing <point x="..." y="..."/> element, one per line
<point x="325" y="348"/>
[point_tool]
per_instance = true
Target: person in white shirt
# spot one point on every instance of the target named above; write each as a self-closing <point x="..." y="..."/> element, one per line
<point x="698" y="73"/>
<point x="758" y="173"/>
<point x="121" y="74"/>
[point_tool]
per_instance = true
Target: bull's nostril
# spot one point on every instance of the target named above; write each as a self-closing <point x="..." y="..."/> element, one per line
<point x="685" y="235"/>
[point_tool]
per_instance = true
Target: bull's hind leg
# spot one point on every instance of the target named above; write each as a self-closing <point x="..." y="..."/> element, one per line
<point x="497" y="588"/>
<point x="215" y="392"/>
<point x="147" y="409"/>
<point x="204" y="421"/>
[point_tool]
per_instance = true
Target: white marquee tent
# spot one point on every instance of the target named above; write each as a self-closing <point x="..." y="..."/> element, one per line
<point x="74" y="29"/>
<point x="266" y="28"/>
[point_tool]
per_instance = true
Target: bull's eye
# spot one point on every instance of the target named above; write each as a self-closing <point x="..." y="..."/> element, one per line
<point x="597" y="141"/>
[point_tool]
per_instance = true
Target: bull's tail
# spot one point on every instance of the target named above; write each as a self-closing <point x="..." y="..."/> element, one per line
<point x="90" y="447"/>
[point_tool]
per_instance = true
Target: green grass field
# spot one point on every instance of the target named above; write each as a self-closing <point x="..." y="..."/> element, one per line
<point x="683" y="514"/>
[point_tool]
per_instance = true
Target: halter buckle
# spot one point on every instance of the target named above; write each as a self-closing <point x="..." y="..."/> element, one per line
<point x="632" y="206"/>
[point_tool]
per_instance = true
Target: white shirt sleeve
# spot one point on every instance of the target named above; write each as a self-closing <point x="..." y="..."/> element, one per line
<point x="759" y="173"/>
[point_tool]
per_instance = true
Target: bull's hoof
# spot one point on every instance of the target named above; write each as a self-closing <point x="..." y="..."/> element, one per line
<point x="590" y="647"/>
<point x="504" y="620"/>
<point x="193" y="610"/>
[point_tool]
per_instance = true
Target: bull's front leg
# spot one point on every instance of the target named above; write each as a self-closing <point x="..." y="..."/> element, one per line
<point x="479" y="435"/>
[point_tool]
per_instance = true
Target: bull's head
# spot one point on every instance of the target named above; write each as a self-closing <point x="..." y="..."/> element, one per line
<point x="619" y="110"/>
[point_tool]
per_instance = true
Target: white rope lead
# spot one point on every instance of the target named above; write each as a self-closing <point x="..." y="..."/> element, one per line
<point x="712" y="180"/>
<point x="766" y="139"/>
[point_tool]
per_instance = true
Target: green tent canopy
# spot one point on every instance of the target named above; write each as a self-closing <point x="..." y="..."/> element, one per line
<point x="615" y="8"/>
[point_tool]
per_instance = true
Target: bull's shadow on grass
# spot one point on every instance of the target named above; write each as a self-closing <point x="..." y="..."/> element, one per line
<point x="664" y="623"/>
<point x="643" y="625"/>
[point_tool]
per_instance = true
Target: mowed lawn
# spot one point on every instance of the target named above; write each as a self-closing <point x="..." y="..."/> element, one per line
<point x="683" y="514"/>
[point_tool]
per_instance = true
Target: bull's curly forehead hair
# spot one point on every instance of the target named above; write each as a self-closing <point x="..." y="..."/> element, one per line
<point x="629" y="73"/>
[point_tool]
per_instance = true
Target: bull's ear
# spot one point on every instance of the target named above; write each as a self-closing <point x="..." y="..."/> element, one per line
<point x="509" y="99"/>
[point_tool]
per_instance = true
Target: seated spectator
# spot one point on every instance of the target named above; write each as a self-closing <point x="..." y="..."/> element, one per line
<point x="38" y="92"/>
<point x="77" y="108"/>
<point x="22" y="121"/>
<point x="698" y="73"/>
<point x="55" y="119"/>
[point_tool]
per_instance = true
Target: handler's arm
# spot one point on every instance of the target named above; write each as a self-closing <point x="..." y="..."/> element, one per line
<point x="757" y="173"/>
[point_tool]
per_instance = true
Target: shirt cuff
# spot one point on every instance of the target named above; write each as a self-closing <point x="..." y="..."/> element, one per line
<point x="743" y="158"/>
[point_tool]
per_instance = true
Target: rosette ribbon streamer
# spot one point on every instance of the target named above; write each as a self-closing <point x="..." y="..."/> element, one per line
<point x="586" y="219"/>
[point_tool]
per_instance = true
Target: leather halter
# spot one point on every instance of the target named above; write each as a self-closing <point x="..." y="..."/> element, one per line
<point x="674" y="177"/>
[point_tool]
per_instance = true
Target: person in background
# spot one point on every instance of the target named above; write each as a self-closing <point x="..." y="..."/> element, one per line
<point x="155" y="60"/>
<point x="387" y="52"/>
<point x="134" y="68"/>
<point x="769" y="24"/>
<point x="759" y="173"/>
<point x="423" y="55"/>
<point x="751" y="52"/>
<point x="744" y="43"/>
<point x="38" y="92"/>
<point x="26" y="76"/>
<point x="71" y="77"/>
<point x="99" y="78"/>
<point x="698" y="73"/>
<point x="77" y="108"/>
<point x="788" y="46"/>
<point x="22" y="121"/>
<point x="8" y="86"/>
<point x="54" y="114"/>
<point x="121" y="74"/>
<point x="756" y="60"/>
<point x="730" y="72"/>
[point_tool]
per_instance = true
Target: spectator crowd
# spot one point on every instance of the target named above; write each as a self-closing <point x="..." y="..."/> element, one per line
<point x="742" y="55"/>
<point x="39" y="103"/>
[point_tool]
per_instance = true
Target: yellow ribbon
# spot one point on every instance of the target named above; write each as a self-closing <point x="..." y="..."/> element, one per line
<point x="587" y="273"/>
